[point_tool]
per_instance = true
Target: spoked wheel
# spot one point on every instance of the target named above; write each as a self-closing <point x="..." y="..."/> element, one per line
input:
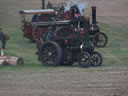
<point x="96" y="59"/>
<point x="65" y="32"/>
<point x="36" y="33"/>
<point x="84" y="59"/>
<point x="50" y="54"/>
<point x="100" y="39"/>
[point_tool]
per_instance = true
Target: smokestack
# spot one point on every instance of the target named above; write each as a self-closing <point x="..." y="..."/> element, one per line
<point x="87" y="24"/>
<point x="94" y="15"/>
<point x="43" y="4"/>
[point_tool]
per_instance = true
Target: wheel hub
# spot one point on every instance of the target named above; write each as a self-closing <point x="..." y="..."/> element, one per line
<point x="83" y="59"/>
<point x="50" y="54"/>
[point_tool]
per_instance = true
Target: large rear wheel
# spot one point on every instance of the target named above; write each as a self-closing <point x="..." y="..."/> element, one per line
<point x="50" y="54"/>
<point x="65" y="32"/>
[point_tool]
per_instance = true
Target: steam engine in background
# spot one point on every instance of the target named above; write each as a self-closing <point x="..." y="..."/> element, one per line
<point x="58" y="13"/>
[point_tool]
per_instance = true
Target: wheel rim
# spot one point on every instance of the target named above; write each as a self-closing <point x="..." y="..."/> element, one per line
<point x="100" y="40"/>
<point x="96" y="59"/>
<point x="84" y="59"/>
<point x="49" y="55"/>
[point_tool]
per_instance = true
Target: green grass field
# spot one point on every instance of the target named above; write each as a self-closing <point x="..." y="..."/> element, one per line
<point x="33" y="79"/>
<point x="115" y="54"/>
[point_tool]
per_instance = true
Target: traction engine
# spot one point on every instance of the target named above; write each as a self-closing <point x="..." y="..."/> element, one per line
<point x="64" y="37"/>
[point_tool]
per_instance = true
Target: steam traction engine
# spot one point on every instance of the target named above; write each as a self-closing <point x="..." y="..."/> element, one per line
<point x="100" y="39"/>
<point x="68" y="41"/>
<point x="65" y="46"/>
<point x="36" y="33"/>
<point x="65" y="37"/>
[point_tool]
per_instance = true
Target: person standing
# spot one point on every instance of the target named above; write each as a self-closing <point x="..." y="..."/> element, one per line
<point x="35" y="18"/>
<point x="3" y="38"/>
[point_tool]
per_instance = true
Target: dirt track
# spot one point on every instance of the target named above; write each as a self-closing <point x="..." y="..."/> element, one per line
<point x="114" y="12"/>
<point x="65" y="82"/>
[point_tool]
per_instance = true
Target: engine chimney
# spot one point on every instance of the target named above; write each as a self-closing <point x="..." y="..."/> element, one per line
<point x="87" y="23"/>
<point x="94" y="15"/>
<point x="88" y="46"/>
<point x="43" y="4"/>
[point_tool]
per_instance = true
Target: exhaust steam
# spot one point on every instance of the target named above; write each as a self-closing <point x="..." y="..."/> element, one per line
<point x="81" y="6"/>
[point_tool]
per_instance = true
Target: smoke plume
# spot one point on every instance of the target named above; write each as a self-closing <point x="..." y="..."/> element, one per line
<point x="81" y="6"/>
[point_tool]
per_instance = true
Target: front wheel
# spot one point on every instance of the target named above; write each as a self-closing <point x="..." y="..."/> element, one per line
<point x="84" y="59"/>
<point x="50" y="54"/>
<point x="100" y="39"/>
<point x="96" y="59"/>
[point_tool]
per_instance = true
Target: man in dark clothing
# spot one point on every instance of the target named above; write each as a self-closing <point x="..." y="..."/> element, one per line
<point x="3" y="38"/>
<point x="35" y="18"/>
